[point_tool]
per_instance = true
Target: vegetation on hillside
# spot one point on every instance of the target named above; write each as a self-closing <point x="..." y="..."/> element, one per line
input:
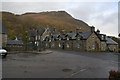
<point x="17" y="25"/>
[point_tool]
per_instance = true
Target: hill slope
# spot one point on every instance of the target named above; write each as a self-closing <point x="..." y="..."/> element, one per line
<point x="18" y="24"/>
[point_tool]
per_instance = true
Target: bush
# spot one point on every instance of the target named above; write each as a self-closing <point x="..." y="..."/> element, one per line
<point x="114" y="75"/>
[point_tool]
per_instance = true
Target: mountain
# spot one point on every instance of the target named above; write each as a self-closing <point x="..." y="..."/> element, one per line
<point x="18" y="24"/>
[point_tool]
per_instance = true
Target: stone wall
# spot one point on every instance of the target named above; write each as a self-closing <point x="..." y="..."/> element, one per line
<point x="4" y="40"/>
<point x="93" y="43"/>
<point x="15" y="48"/>
<point x="112" y="48"/>
<point x="103" y="46"/>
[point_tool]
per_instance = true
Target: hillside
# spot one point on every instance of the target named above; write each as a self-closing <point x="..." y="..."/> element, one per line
<point x="18" y="24"/>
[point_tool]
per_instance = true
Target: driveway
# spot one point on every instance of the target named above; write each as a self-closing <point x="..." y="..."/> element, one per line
<point x="59" y="64"/>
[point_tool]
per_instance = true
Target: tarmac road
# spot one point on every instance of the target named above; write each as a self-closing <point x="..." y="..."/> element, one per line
<point x="59" y="64"/>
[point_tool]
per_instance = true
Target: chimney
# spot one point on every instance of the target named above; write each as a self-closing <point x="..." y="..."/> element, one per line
<point x="54" y="29"/>
<point x="92" y="29"/>
<point x="78" y="30"/>
<point x="98" y="31"/>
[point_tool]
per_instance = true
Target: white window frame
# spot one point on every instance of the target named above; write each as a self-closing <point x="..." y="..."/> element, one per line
<point x="68" y="45"/>
<point x="67" y="38"/>
<point x="59" y="45"/>
<point x="78" y="45"/>
<point x="102" y="37"/>
<point x="93" y="47"/>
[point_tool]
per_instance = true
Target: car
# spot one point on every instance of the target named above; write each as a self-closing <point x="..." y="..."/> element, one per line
<point x="3" y="52"/>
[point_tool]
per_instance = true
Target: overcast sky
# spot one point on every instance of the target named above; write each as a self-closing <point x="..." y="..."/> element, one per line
<point x="102" y="15"/>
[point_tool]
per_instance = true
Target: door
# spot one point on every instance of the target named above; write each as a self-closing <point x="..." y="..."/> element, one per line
<point x="96" y="46"/>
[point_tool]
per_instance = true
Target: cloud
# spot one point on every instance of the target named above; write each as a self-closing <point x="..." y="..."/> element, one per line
<point x="103" y="15"/>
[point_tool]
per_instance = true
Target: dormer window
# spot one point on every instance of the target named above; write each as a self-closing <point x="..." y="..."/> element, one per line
<point x="59" y="38"/>
<point x="102" y="37"/>
<point x="67" y="38"/>
<point x="93" y="37"/>
<point x="78" y="38"/>
<point x="50" y="40"/>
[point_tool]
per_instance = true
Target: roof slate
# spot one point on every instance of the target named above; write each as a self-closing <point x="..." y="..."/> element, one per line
<point x="110" y="41"/>
<point x="40" y="31"/>
<point x="14" y="42"/>
<point x="32" y="33"/>
<point x="85" y="35"/>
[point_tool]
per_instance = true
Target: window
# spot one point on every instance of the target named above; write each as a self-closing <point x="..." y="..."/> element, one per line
<point x="46" y="44"/>
<point x="50" y="40"/>
<point x="53" y="44"/>
<point x="37" y="43"/>
<point x="78" y="45"/>
<point x="93" y="37"/>
<point x="67" y="38"/>
<point x="36" y="37"/>
<point x="102" y="46"/>
<point x="39" y="37"/>
<point x="59" y="45"/>
<point x="68" y="46"/>
<point x="78" y="38"/>
<point x="59" y="38"/>
<point x="102" y="37"/>
<point x="93" y="46"/>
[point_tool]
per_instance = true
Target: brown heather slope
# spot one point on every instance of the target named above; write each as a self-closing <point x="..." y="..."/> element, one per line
<point x="18" y="24"/>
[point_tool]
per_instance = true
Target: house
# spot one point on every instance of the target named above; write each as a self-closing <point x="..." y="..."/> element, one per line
<point x="37" y="38"/>
<point x="82" y="41"/>
<point x="32" y="36"/>
<point x="15" y="45"/>
<point x="3" y="34"/>
<point x="112" y="45"/>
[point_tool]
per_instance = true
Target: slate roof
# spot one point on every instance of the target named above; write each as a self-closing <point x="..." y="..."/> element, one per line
<point x="110" y="41"/>
<point x="62" y="36"/>
<point x="85" y="35"/>
<point x="53" y="31"/>
<point x="32" y="33"/>
<point x="14" y="42"/>
<point x="3" y="30"/>
<point x="71" y="35"/>
<point x="40" y="31"/>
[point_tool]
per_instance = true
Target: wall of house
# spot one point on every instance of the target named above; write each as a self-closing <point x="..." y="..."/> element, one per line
<point x="15" y="47"/>
<point x="112" y="48"/>
<point x="93" y="43"/>
<point x="44" y="34"/>
<point x="103" y="46"/>
<point x="4" y="40"/>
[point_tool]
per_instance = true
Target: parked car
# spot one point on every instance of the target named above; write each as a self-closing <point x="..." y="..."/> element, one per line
<point x="3" y="52"/>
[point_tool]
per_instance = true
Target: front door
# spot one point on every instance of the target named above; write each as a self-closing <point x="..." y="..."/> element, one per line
<point x="96" y="46"/>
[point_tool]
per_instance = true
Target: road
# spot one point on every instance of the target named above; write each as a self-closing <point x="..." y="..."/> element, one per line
<point x="59" y="64"/>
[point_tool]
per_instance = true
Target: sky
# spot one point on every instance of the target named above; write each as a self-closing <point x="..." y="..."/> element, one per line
<point x="103" y="15"/>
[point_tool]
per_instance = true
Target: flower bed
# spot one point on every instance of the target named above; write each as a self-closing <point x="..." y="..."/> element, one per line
<point x="114" y="75"/>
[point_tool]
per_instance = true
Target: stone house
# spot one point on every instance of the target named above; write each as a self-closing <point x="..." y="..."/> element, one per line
<point x="82" y="41"/>
<point x="15" y="45"/>
<point x="3" y="34"/>
<point x="37" y="38"/>
<point x="112" y="45"/>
